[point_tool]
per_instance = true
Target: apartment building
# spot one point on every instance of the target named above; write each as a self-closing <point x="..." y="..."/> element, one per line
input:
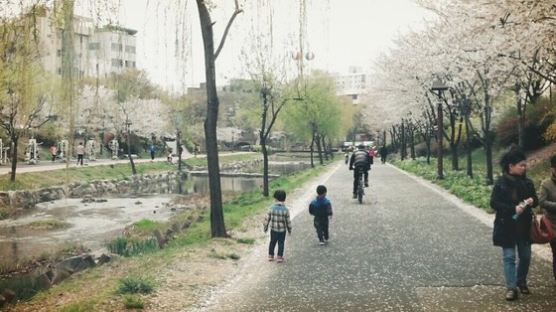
<point x="353" y="84"/>
<point x="98" y="51"/>
<point x="111" y="49"/>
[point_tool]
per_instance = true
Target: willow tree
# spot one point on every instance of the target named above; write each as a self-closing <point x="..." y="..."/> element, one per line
<point x="319" y="114"/>
<point x="22" y="87"/>
<point x="218" y="228"/>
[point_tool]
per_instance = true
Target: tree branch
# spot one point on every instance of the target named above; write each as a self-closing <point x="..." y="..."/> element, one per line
<point x="232" y="18"/>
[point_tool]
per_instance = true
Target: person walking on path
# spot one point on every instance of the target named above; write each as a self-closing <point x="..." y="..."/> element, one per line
<point x="383" y="153"/>
<point x="321" y="209"/>
<point x="80" y="150"/>
<point x="54" y="152"/>
<point x="152" y="151"/>
<point x="278" y="219"/>
<point x="513" y="198"/>
<point x="547" y="201"/>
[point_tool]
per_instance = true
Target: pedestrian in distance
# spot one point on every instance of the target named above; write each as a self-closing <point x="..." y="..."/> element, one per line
<point x="53" y="151"/>
<point x="80" y="150"/>
<point x="383" y="154"/>
<point x="513" y="198"/>
<point x="278" y="220"/>
<point x="152" y="151"/>
<point x="321" y="209"/>
<point x="547" y="201"/>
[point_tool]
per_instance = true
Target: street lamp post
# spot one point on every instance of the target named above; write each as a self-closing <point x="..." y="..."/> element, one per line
<point x="439" y="87"/>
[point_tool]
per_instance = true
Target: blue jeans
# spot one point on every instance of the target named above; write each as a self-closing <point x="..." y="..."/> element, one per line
<point x="513" y="278"/>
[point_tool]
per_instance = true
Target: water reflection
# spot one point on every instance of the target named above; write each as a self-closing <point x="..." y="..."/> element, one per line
<point x="88" y="224"/>
<point x="200" y="184"/>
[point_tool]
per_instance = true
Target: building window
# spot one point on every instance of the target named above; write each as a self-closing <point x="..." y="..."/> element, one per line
<point x="117" y="63"/>
<point x="94" y="45"/>
<point x="117" y="47"/>
<point x="130" y="49"/>
<point x="58" y="53"/>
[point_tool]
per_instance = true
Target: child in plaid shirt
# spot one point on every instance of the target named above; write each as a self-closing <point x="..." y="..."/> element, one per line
<point x="278" y="217"/>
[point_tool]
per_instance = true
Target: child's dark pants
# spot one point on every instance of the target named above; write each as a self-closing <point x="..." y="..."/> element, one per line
<point x="277" y="237"/>
<point x="321" y="225"/>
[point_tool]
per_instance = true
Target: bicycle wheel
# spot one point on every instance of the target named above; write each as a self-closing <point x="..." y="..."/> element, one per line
<point x="360" y="196"/>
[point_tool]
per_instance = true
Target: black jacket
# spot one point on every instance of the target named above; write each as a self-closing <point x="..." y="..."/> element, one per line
<point x="360" y="158"/>
<point x="507" y="193"/>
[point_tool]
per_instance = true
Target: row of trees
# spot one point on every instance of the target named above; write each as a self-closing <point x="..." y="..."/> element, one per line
<point x="491" y="54"/>
<point x="304" y="107"/>
<point x="31" y="97"/>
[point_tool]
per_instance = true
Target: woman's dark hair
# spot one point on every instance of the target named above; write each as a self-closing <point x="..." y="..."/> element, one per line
<point x="280" y="195"/>
<point x="512" y="157"/>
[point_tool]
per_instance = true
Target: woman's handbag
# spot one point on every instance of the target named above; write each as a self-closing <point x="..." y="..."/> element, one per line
<point x="542" y="231"/>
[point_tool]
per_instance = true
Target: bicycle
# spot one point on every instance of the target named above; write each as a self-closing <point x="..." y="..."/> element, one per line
<point x="360" y="185"/>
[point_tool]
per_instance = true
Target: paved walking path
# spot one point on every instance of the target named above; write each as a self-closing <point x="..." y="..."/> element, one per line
<point x="48" y="165"/>
<point x="406" y="248"/>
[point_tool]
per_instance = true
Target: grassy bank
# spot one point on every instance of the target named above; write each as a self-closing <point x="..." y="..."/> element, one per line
<point x="33" y="180"/>
<point x="471" y="190"/>
<point x="107" y="280"/>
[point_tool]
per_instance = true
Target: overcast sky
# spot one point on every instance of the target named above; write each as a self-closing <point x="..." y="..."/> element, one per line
<point x="340" y="33"/>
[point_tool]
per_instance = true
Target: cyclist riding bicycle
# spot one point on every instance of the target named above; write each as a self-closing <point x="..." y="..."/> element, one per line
<point x="361" y="162"/>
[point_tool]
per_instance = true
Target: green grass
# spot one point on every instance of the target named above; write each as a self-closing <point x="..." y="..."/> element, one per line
<point x="135" y="285"/>
<point x="146" y="225"/>
<point x="50" y="224"/>
<point x="83" y="306"/>
<point x="34" y="180"/>
<point x="3" y="213"/>
<point x="471" y="190"/>
<point x="133" y="302"/>
<point x="130" y="246"/>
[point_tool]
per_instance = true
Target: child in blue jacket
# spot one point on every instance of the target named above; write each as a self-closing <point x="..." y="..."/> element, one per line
<point x="321" y="209"/>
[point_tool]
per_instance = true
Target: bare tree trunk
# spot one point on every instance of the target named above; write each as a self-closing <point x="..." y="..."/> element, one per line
<point x="325" y="148"/>
<point x="412" y="142"/>
<point x="15" y="140"/>
<point x="403" y="152"/>
<point x="319" y="148"/>
<point x="312" y="148"/>
<point x="133" y="169"/>
<point x="218" y="228"/>
<point x="264" y="150"/>
<point x="468" y="150"/>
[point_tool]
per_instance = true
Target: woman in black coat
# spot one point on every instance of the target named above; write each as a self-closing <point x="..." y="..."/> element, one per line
<point x="512" y="198"/>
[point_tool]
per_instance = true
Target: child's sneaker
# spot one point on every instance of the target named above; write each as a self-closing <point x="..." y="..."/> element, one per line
<point x="270" y="258"/>
<point x="279" y="259"/>
<point x="321" y="243"/>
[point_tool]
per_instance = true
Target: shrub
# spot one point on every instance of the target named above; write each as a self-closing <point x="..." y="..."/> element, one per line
<point x="135" y="285"/>
<point x="133" y="302"/>
<point x="128" y="247"/>
<point x="537" y="126"/>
